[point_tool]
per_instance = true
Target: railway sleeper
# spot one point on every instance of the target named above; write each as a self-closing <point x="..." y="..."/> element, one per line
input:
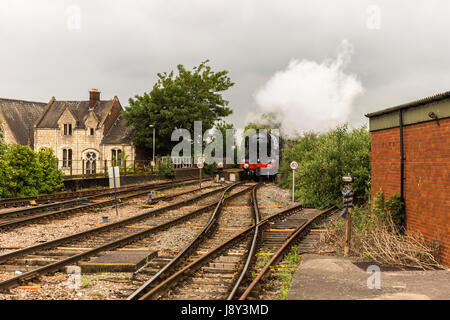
<point x="35" y="261"/>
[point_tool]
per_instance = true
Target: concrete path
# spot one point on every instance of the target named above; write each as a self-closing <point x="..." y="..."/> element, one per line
<point x="337" y="278"/>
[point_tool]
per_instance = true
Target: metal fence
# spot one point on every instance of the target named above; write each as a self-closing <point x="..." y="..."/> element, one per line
<point x="96" y="167"/>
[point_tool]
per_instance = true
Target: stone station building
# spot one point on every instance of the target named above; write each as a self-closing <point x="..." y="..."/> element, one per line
<point x="83" y="134"/>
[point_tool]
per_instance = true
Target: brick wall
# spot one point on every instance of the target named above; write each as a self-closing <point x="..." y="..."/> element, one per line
<point x="427" y="176"/>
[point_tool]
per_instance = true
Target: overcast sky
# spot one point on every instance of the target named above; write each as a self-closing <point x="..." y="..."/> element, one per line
<point x="61" y="48"/>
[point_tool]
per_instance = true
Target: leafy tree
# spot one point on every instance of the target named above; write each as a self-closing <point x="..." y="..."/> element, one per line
<point x="267" y="121"/>
<point x="175" y="102"/>
<point x="24" y="172"/>
<point x="323" y="159"/>
<point x="52" y="179"/>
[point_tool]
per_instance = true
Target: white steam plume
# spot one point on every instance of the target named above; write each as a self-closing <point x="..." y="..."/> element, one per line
<point x="311" y="96"/>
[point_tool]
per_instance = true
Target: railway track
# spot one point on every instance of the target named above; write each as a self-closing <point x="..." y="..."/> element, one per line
<point x="59" y="196"/>
<point x="218" y="263"/>
<point x="220" y="269"/>
<point x="18" y="217"/>
<point x="219" y="226"/>
<point x="54" y="255"/>
<point x="277" y="240"/>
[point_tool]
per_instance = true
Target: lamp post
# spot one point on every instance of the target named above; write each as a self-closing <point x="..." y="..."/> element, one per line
<point x="152" y="126"/>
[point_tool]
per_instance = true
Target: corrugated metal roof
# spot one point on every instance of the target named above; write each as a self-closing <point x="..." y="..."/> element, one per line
<point x="434" y="98"/>
<point x="20" y="116"/>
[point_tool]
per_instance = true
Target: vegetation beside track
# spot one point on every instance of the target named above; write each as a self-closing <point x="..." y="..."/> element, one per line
<point x="323" y="159"/>
<point x="24" y="172"/>
<point x="378" y="235"/>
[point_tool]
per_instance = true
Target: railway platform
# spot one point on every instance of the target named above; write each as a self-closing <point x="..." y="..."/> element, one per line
<point x="338" y="278"/>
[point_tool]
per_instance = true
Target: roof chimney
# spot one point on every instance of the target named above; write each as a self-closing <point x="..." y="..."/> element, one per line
<point x="94" y="96"/>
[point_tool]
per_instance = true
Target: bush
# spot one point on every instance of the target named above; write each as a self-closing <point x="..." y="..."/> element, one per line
<point x="396" y="208"/>
<point x="166" y="168"/>
<point x="209" y="169"/>
<point x="323" y="159"/>
<point x="375" y="236"/>
<point x="24" y="172"/>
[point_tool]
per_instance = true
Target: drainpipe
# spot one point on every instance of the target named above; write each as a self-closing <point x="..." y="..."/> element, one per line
<point x="56" y="142"/>
<point x="402" y="156"/>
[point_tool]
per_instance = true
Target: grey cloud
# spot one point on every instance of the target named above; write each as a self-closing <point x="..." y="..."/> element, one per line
<point x="122" y="45"/>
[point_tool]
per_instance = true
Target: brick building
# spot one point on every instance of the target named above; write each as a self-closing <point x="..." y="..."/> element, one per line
<point x="83" y="134"/>
<point x="411" y="156"/>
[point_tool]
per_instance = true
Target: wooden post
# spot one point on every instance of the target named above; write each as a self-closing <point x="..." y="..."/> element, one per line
<point x="348" y="231"/>
<point x="82" y="167"/>
<point x="105" y="167"/>
<point x="124" y="167"/>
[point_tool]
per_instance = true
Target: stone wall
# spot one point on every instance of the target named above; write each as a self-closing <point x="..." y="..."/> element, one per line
<point x="81" y="142"/>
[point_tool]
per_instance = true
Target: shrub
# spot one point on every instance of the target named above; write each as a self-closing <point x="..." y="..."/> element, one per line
<point x="166" y="168"/>
<point x="209" y="169"/>
<point x="52" y="179"/>
<point x="323" y="159"/>
<point x="24" y="172"/>
<point x="396" y="209"/>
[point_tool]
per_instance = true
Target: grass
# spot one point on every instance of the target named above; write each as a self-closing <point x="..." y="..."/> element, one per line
<point x="263" y="258"/>
<point x="85" y="282"/>
<point x="98" y="295"/>
<point x="284" y="272"/>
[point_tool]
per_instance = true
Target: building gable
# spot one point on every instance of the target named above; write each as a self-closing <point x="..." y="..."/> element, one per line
<point x="67" y="117"/>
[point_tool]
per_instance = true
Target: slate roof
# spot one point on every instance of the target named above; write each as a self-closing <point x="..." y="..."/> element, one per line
<point x="20" y="116"/>
<point x="80" y="110"/>
<point x="119" y="133"/>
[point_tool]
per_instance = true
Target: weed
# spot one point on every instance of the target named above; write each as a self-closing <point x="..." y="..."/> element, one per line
<point x="85" y="282"/>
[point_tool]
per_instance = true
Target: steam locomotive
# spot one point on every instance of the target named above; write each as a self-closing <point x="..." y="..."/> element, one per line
<point x="262" y="157"/>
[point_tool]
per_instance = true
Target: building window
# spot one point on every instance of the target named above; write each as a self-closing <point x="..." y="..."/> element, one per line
<point x="115" y="156"/>
<point x="92" y="131"/>
<point x="67" y="129"/>
<point x="67" y="158"/>
<point x="91" y="163"/>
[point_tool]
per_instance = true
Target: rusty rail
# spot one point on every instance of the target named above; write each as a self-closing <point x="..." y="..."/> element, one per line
<point x="278" y="255"/>
<point x="111" y="245"/>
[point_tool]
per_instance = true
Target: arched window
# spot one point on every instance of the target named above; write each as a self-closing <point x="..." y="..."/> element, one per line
<point x="91" y="159"/>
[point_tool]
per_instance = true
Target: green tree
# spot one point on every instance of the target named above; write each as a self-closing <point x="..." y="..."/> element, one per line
<point x="266" y="121"/>
<point x="175" y="102"/>
<point x="52" y="178"/>
<point x="323" y="160"/>
<point x="24" y="172"/>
